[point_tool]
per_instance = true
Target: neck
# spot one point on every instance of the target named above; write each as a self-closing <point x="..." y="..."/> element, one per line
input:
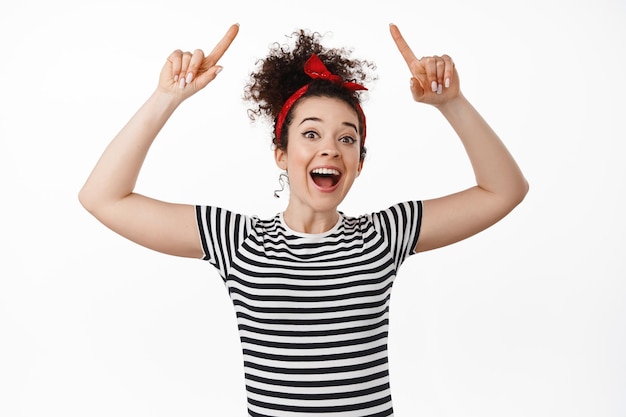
<point x="312" y="222"/>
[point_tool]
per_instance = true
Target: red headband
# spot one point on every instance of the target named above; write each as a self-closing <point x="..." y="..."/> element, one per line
<point x="315" y="68"/>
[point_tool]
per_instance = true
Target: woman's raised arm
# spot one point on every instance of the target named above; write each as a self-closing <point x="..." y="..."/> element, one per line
<point x="108" y="194"/>
<point x="500" y="184"/>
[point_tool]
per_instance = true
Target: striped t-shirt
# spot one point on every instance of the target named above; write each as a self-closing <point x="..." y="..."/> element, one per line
<point x="312" y="309"/>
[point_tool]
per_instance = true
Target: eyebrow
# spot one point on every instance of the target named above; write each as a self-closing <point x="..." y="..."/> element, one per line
<point x="317" y="119"/>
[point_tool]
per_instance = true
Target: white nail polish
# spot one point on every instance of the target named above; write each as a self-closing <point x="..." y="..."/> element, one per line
<point x="176" y="78"/>
<point x="439" y="89"/>
<point x="433" y="86"/>
<point x="181" y="84"/>
<point x="447" y="82"/>
<point x="189" y="78"/>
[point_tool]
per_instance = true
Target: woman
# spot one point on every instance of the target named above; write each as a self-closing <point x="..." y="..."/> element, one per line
<point x="310" y="286"/>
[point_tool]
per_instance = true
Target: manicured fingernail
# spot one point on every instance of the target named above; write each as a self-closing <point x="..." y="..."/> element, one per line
<point x="439" y="89"/>
<point x="218" y="70"/>
<point x="175" y="77"/>
<point x="189" y="78"/>
<point x="447" y="82"/>
<point x="433" y="86"/>
<point x="181" y="84"/>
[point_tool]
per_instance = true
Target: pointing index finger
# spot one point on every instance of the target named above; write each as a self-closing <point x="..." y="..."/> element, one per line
<point x="221" y="47"/>
<point x="403" y="47"/>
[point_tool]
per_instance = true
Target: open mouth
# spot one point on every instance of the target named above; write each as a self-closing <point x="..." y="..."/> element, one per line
<point x="325" y="177"/>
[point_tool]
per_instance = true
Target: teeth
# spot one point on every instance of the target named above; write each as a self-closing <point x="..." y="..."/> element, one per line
<point x="325" y="171"/>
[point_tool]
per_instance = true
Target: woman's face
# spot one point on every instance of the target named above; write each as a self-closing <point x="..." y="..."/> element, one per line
<point x="323" y="153"/>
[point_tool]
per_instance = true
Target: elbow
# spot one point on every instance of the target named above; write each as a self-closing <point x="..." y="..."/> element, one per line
<point x="520" y="191"/>
<point x="86" y="199"/>
<point x="83" y="198"/>
<point x="525" y="189"/>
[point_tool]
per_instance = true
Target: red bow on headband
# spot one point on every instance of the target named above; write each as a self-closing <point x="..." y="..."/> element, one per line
<point x="315" y="68"/>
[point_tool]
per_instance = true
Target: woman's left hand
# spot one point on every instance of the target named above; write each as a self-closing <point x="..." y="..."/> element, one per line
<point x="434" y="78"/>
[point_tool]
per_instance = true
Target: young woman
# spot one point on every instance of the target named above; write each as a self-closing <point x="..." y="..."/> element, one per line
<point x="311" y="285"/>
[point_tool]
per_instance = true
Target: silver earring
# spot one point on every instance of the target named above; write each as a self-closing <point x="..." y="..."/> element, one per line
<point x="283" y="179"/>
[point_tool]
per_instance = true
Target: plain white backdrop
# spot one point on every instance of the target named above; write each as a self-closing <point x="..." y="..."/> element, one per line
<point x="526" y="319"/>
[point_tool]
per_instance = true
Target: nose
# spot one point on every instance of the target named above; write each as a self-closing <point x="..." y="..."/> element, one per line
<point x="329" y="149"/>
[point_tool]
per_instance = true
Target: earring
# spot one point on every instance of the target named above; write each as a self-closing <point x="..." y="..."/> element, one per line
<point x="283" y="179"/>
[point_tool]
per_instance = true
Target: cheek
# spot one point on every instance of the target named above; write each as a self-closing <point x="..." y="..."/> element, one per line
<point x="294" y="168"/>
<point x="298" y="158"/>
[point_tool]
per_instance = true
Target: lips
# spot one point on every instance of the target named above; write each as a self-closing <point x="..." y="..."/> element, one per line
<point x="326" y="179"/>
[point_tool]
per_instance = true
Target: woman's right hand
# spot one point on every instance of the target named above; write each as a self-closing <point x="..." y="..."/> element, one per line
<point x="186" y="73"/>
<point x="109" y="193"/>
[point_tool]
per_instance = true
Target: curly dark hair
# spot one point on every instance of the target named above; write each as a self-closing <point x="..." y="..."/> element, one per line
<point x="281" y="73"/>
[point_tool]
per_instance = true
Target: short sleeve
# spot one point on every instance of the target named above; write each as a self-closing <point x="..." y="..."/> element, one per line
<point x="400" y="225"/>
<point x="221" y="233"/>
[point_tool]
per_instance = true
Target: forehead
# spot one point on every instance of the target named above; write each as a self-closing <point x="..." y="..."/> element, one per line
<point x="325" y="108"/>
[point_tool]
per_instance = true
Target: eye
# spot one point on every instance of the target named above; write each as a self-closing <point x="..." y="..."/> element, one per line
<point x="347" y="139"/>
<point x="310" y="134"/>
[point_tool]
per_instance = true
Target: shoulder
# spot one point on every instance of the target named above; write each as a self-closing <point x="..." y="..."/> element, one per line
<point x="403" y="211"/>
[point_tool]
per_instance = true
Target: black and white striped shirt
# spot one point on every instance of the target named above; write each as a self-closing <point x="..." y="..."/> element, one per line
<point x="312" y="309"/>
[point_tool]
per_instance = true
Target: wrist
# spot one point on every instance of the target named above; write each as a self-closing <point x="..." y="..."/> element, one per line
<point x="455" y="105"/>
<point x="165" y="101"/>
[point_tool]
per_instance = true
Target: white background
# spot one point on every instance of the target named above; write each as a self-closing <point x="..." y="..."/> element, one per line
<point x="526" y="319"/>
